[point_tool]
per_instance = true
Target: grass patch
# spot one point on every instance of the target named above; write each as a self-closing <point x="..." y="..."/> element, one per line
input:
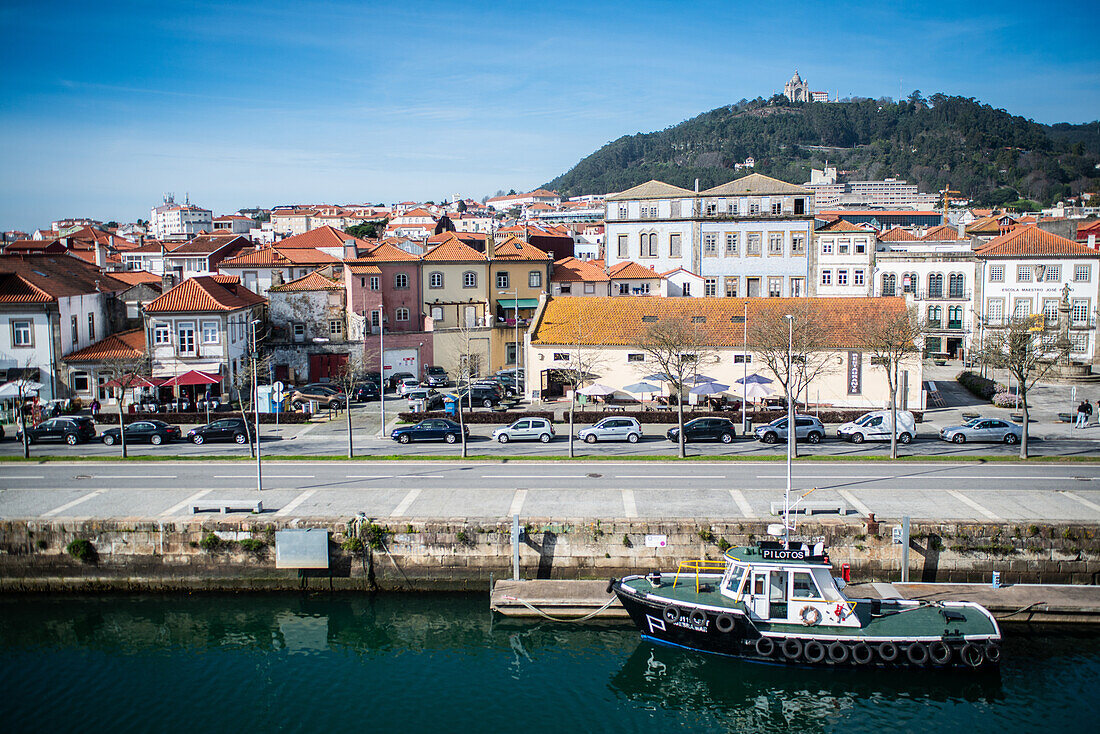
<point x="82" y="550"/>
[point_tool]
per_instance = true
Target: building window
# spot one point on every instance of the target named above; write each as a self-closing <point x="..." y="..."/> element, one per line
<point x="798" y="287"/>
<point x="775" y="287"/>
<point x="731" y="244"/>
<point x="995" y="310"/>
<point x="674" y="209"/>
<point x="510" y="353"/>
<point x="826" y="277"/>
<point x="91" y="327"/>
<point x="623" y="211"/>
<point x="742" y="359"/>
<point x="935" y="316"/>
<point x="710" y="287"/>
<point x="687" y="288"/>
<point x="711" y="209"/>
<point x="842" y="277"/>
<point x="857" y="277"/>
<point x="647" y="246"/>
<point x="589" y="288"/>
<point x="1079" y="311"/>
<point x="401" y="281"/>
<point x="777" y="207"/>
<point x="1079" y="341"/>
<point x="375" y="283"/>
<point x="955" y="285"/>
<point x="733" y="208"/>
<point x="210" y="332"/>
<point x="469" y="279"/>
<point x="75" y="332"/>
<point x="21" y="334"/>
<point x="775" y="243"/>
<point x="1023" y="273"/>
<point x="635" y="357"/>
<point x="710" y="245"/>
<point x="564" y="289"/>
<point x="622" y="251"/>
<point x="861" y="246"/>
<point x="827" y="247"/>
<point x="435" y="280"/>
<point x="402" y="314"/>
<point x="1050" y="311"/>
<point x="996" y="273"/>
<point x="954" y="317"/>
<point x="754" y="207"/>
<point x="1081" y="273"/>
<point x="534" y="279"/>
<point x="335" y="327"/>
<point x="1021" y="308"/>
<point x="503" y="280"/>
<point x="674" y="245"/>
<point x="374" y="318"/>
<point x="624" y="289"/>
<point x="1053" y="273"/>
<point x="935" y="285"/>
<point x="889" y="284"/>
<point x="161" y="334"/>
<point x="731" y="286"/>
<point x="185" y="334"/>
<point x="842" y="247"/>
<point x="81" y="383"/>
<point x="561" y="356"/>
<point x="798" y="244"/>
<point x="909" y="283"/>
<point x="752" y="246"/>
<point x="299" y="330"/>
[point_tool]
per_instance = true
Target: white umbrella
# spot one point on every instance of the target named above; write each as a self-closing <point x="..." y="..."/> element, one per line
<point x="597" y="389"/>
<point x="752" y="391"/>
<point x="11" y="389"/>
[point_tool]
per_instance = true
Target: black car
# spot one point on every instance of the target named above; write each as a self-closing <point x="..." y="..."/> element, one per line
<point x="435" y="429"/>
<point x="436" y="377"/>
<point x="72" y="429"/>
<point x="481" y="395"/>
<point x="225" y="429"/>
<point x="395" y="379"/>
<point x="705" y="429"/>
<point x="365" y="391"/>
<point x="154" y="432"/>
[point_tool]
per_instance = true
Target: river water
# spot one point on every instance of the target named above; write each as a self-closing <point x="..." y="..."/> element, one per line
<point x="439" y="663"/>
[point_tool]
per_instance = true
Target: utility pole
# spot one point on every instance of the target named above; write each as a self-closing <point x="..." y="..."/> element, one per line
<point x="256" y="406"/>
<point x="381" y="373"/>
<point x="790" y="433"/>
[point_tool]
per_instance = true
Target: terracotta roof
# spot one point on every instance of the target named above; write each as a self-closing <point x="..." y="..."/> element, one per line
<point x="276" y="256"/>
<point x="942" y="233"/>
<point x="418" y="212"/>
<point x="363" y="269"/>
<point x="610" y="321"/>
<point x="1033" y="242"/>
<point x="632" y="270"/>
<point x="312" y="282"/>
<point x="326" y="236"/>
<point x="385" y="253"/>
<point x="204" y="293"/>
<point x="841" y="213"/>
<point x="42" y="279"/>
<point x="134" y="277"/>
<point x="514" y="248"/>
<point x="570" y="269"/>
<point x="897" y="234"/>
<point x="985" y="224"/>
<point x="450" y="250"/>
<point x="841" y="225"/>
<point x="125" y="345"/>
<point x="755" y="183"/>
<point x="207" y="244"/>
<point x="652" y="189"/>
<point x="39" y="246"/>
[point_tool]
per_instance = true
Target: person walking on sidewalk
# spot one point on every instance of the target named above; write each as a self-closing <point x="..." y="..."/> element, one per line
<point x="1082" y="414"/>
<point x="1088" y="413"/>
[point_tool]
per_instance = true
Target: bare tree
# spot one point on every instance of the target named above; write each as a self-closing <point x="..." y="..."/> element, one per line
<point x="350" y="374"/>
<point x="22" y="385"/>
<point x="1028" y="349"/>
<point x="796" y="353"/>
<point x="677" y="347"/>
<point x="246" y="391"/>
<point x="579" y="369"/>
<point x="891" y="337"/>
<point x="465" y="364"/>
<point x="129" y="372"/>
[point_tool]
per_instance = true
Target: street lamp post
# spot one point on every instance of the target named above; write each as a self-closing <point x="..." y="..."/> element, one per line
<point x="256" y="406"/>
<point x="790" y="431"/>
<point x="381" y="372"/>
<point x="745" y="364"/>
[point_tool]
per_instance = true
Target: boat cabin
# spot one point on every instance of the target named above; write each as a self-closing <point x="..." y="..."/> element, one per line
<point x="792" y="585"/>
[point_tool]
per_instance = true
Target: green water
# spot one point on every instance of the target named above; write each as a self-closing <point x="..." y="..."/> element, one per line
<point x="438" y="663"/>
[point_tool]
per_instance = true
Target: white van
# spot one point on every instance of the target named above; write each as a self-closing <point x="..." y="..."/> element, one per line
<point x="875" y="426"/>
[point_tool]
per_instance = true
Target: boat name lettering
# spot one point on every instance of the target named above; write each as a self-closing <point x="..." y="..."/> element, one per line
<point x="778" y="554"/>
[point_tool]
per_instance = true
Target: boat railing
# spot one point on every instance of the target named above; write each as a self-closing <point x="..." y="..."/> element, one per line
<point x="697" y="567"/>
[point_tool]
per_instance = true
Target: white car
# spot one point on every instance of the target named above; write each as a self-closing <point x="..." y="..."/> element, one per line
<point x="612" y="429"/>
<point x="407" y="385"/>
<point x="875" y="426"/>
<point x="526" y="429"/>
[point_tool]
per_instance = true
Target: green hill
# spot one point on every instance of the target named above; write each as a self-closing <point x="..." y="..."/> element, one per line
<point x="942" y="142"/>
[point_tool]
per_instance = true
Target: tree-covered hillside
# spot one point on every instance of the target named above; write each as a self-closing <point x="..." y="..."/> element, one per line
<point x="942" y="142"/>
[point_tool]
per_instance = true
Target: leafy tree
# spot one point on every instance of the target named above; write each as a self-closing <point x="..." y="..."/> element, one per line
<point x="368" y="230"/>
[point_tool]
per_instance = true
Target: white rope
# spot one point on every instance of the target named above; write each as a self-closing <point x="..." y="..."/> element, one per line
<point x="552" y="618"/>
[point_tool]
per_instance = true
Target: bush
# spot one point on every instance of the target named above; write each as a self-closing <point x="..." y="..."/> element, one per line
<point x="375" y="536"/>
<point x="978" y="386"/>
<point x="253" y="545"/>
<point x="353" y="545"/>
<point x="1004" y="400"/>
<point x="82" y="550"/>
<point x="724" y="545"/>
<point x="487" y="417"/>
<point x="706" y="535"/>
<point x="210" y="543"/>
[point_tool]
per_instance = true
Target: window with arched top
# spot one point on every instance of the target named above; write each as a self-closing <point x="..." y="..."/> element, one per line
<point x="401" y="280"/>
<point x="889" y="284"/>
<point x="469" y="279"/>
<point x="435" y="280"/>
<point x="935" y="285"/>
<point x="935" y="316"/>
<point x="956" y="285"/>
<point x="402" y="314"/>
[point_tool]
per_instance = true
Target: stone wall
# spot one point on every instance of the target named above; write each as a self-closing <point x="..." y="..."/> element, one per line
<point x="239" y="555"/>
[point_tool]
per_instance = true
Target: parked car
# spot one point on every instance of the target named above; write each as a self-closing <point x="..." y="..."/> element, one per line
<point x="507" y="384"/>
<point x="323" y="394"/>
<point x="983" y="429"/>
<point x="875" y="426"/>
<point x="395" y="379"/>
<point x="72" y="429"/>
<point x="151" y="431"/>
<point x="805" y="427"/>
<point x="705" y="429"/>
<point x="407" y="385"/>
<point x="224" y="429"/>
<point x="436" y="376"/>
<point x="480" y="395"/>
<point x="612" y="429"/>
<point x="526" y="429"/>
<point x="434" y="429"/>
<point x="364" y="391"/>
<point x="433" y="399"/>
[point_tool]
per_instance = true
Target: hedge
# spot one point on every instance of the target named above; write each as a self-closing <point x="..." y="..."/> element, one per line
<point x="200" y="418"/>
<point x="587" y="417"/>
<point x="979" y="387"/>
<point x="488" y="417"/>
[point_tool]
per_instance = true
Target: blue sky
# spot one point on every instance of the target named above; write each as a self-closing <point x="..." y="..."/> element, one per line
<point x="109" y="105"/>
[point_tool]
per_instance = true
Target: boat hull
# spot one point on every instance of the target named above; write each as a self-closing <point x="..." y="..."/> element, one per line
<point x="726" y="632"/>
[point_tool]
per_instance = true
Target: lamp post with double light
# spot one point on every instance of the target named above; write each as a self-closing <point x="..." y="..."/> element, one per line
<point x="256" y="404"/>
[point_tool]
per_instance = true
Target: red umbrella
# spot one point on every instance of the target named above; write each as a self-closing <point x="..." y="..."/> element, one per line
<point x="192" y="377"/>
<point x="135" y="381"/>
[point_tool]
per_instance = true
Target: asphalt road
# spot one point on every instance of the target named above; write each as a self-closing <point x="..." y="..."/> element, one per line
<point x="565" y="491"/>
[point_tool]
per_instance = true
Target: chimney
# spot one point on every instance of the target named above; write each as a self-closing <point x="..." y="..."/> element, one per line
<point x="697" y="186"/>
<point x="100" y="256"/>
<point x="961" y="228"/>
<point x="351" y="252"/>
<point x="111" y="243"/>
<point x="167" y="281"/>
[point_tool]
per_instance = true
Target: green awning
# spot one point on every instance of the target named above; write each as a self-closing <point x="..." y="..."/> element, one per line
<point x="521" y="302"/>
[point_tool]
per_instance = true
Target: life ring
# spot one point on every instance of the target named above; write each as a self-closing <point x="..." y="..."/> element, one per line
<point x="993" y="653"/>
<point x="862" y="653"/>
<point x="838" y="653"/>
<point x="765" y="647"/>
<point x="724" y="623"/>
<point x="972" y="655"/>
<point x="698" y="617"/>
<point x="888" y="652"/>
<point x="814" y="651"/>
<point x="671" y="613"/>
<point x="792" y="648"/>
<point x="810" y="616"/>
<point x="940" y="652"/>
<point x="917" y="653"/>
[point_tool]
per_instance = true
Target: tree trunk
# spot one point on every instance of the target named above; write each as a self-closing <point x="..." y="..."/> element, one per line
<point x="122" y="422"/>
<point x="347" y="409"/>
<point x="1023" y="434"/>
<point x="891" y="377"/>
<point x="680" y="422"/>
<point x="461" y="419"/>
<point x="23" y="426"/>
<point x="572" y="402"/>
<point x="248" y="427"/>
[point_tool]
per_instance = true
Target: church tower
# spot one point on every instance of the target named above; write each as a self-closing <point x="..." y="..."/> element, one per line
<point x="796" y="90"/>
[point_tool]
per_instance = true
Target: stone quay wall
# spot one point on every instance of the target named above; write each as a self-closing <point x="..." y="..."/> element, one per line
<point x="238" y="555"/>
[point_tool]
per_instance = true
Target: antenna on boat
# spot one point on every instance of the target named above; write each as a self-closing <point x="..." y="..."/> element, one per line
<point x="790" y="433"/>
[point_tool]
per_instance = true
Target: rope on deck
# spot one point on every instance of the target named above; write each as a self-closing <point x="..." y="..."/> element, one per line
<point x="552" y="618"/>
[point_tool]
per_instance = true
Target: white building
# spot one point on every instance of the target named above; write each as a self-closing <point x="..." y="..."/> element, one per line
<point x="173" y="220"/>
<point x="538" y="196"/>
<point x="844" y="259"/>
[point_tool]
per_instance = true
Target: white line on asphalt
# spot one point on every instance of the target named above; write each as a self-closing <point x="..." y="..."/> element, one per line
<point x="306" y="430"/>
<point x="133" y="476"/>
<point x="630" y="509"/>
<point x="534" y="476"/>
<point x="24" y="476"/>
<point x="873" y="478"/>
<point x="855" y="503"/>
<point x="971" y="504"/>
<point x="74" y="503"/>
<point x="266" y="476"/>
<point x="742" y="503"/>
<point x="370" y="476"/>
<point x="517" y="502"/>
<point x="406" y="503"/>
<point x="179" y="506"/>
<point x="669" y="476"/>
<point x="1078" y="498"/>
<point x="293" y="504"/>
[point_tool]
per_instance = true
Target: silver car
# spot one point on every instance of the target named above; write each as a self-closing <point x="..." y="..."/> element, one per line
<point x="526" y="429"/>
<point x="805" y="427"/>
<point x="983" y="429"/>
<point x="612" y="429"/>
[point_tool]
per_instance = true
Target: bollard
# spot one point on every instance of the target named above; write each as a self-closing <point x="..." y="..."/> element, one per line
<point x="846" y="573"/>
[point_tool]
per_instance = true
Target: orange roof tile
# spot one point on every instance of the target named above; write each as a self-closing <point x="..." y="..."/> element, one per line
<point x="125" y="345"/>
<point x="897" y="234"/>
<point x="514" y="248"/>
<point x="312" y="282"/>
<point x="134" y="277"/>
<point x="841" y="225"/>
<point x="632" y="270"/>
<point x="451" y="250"/>
<point x="204" y="293"/>
<point x="42" y="279"/>
<point x="570" y="269"/>
<point x="942" y="233"/>
<point x="276" y="256"/>
<point x="1033" y="242"/>
<point x="385" y="253"/>
<point x="326" y="236"/>
<point x="363" y="269"/>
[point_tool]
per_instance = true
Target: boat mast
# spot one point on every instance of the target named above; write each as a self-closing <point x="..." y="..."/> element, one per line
<point x="790" y="433"/>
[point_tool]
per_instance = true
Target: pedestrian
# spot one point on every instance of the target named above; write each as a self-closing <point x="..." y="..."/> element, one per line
<point x="1088" y="412"/>
<point x="1082" y="415"/>
<point x="95" y="407"/>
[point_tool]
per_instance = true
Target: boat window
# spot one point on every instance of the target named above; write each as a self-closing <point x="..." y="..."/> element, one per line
<point x="803" y="586"/>
<point x="733" y="578"/>
<point x="825" y="583"/>
<point x="758" y="582"/>
<point x="777" y="597"/>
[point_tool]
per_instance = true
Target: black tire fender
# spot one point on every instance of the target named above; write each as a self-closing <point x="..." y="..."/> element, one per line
<point x="671" y="613"/>
<point x="917" y="653"/>
<point x="993" y="652"/>
<point x="862" y="653"/>
<point x="940" y="652"/>
<point x="887" y="652"/>
<point x="792" y="648"/>
<point x="814" y="651"/>
<point x="838" y="652"/>
<point x="765" y="647"/>
<point x="972" y="655"/>
<point x="724" y="623"/>
<point x="698" y="617"/>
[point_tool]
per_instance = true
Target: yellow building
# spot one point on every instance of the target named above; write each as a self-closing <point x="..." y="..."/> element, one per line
<point x="455" y="285"/>
<point x="519" y="274"/>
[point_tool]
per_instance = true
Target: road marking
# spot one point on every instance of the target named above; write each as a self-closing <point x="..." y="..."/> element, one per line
<point x="133" y="476"/>
<point x="1078" y="498"/>
<point x="24" y="476"/>
<point x="629" y="508"/>
<point x="179" y="506"/>
<point x="370" y="476"/>
<point x="872" y="478"/>
<point x="266" y="476"/>
<point x="971" y="504"/>
<point x="534" y="476"/>
<point x="517" y="502"/>
<point x="670" y="476"/>
<point x="293" y="504"/>
<point x="306" y="430"/>
<point x="851" y="500"/>
<point x="406" y="503"/>
<point x="742" y="503"/>
<point x="74" y="503"/>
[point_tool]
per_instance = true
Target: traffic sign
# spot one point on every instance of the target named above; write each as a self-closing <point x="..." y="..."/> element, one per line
<point x="896" y="536"/>
<point x="279" y="386"/>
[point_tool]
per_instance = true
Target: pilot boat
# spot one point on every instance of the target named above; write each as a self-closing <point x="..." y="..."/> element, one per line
<point x="778" y="602"/>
